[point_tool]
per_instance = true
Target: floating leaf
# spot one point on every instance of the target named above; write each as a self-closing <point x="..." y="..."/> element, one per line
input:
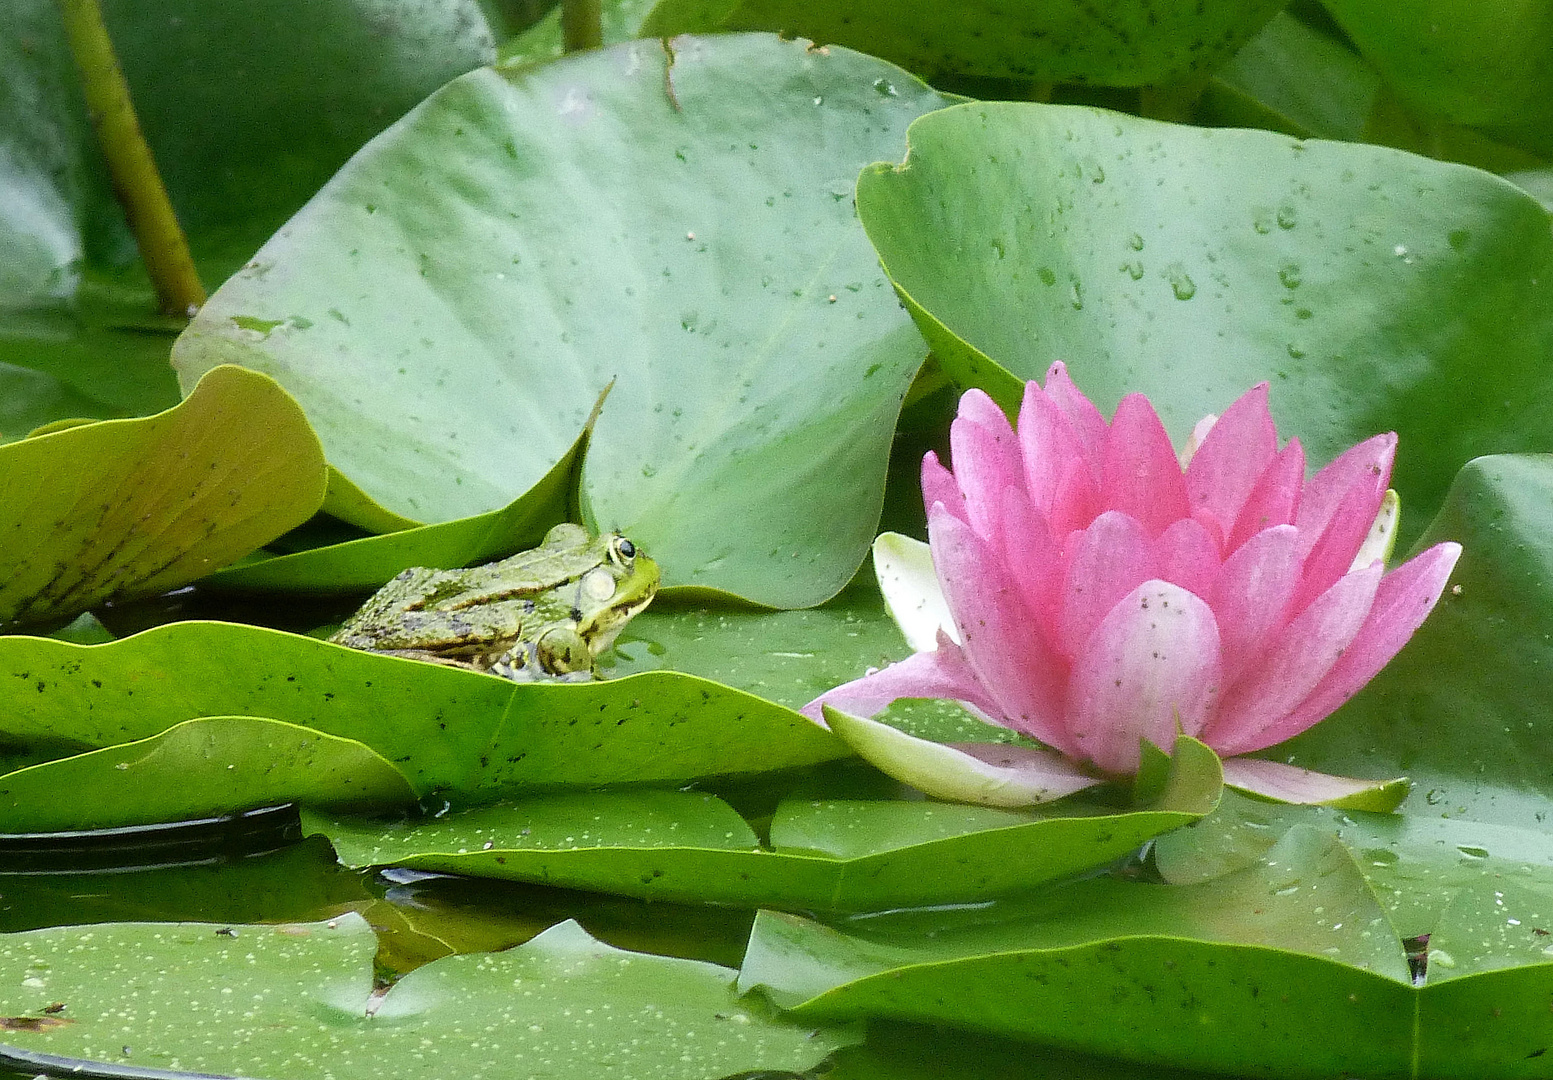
<point x="199" y="768"/>
<point x="1189" y="264"/>
<point x="444" y="728"/>
<point x="1133" y="43"/>
<point x="849" y="855"/>
<point x="759" y="357"/>
<point x="293" y="999"/>
<point x="135" y="507"/>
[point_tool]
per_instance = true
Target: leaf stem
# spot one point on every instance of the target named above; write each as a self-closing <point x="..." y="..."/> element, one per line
<point x="136" y="180"/>
<point x="582" y="24"/>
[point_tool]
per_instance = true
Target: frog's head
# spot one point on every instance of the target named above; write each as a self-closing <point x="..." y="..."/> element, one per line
<point x="610" y="593"/>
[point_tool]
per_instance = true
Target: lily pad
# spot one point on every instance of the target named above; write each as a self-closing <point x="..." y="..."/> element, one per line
<point x="846" y="855"/>
<point x="130" y="508"/>
<point x="372" y="560"/>
<point x="1290" y="965"/>
<point x="1189" y="264"/>
<point x="296" y="999"/>
<point x="195" y="769"/>
<point x="1136" y="43"/>
<point x="448" y="355"/>
<point x="444" y="728"/>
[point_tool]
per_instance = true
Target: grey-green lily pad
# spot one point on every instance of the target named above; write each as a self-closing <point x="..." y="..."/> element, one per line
<point x="296" y="1000"/>
<point x="449" y="306"/>
<point x="372" y="560"/>
<point x="199" y="768"/>
<point x="444" y="728"/>
<point x="834" y="855"/>
<point x="1190" y="264"/>
<point x="1290" y="966"/>
<point x="1135" y="43"/>
<point x="134" y="507"/>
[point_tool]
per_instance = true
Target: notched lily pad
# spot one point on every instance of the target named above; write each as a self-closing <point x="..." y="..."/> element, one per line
<point x="728" y="290"/>
<point x="288" y="999"/>
<point x="128" y="508"/>
<point x="835" y="855"/>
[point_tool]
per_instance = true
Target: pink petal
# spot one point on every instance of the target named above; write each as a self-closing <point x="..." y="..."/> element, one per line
<point x="1141" y="474"/>
<point x="1366" y="466"/>
<point x="1088" y="424"/>
<point x="1253" y="593"/>
<point x="985" y="459"/>
<point x="1150" y="670"/>
<point x="1275" y="499"/>
<point x="1187" y="555"/>
<point x="943" y="673"/>
<point x="938" y="486"/>
<point x="1111" y="558"/>
<point x="1289" y="784"/>
<point x="1009" y="656"/>
<point x="1333" y="553"/>
<point x="1059" y="472"/>
<point x="1035" y="561"/>
<point x="1404" y="599"/>
<point x="1232" y="457"/>
<point x="1284" y="676"/>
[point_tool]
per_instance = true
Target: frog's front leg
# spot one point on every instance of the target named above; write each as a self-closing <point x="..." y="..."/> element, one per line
<point x="559" y="654"/>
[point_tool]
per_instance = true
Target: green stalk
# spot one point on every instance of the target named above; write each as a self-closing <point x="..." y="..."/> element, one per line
<point x="582" y="24"/>
<point x="130" y="164"/>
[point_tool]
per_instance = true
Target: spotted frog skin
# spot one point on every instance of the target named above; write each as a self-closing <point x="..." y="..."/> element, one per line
<point x="541" y="614"/>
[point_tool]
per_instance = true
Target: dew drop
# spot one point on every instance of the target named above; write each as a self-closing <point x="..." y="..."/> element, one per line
<point x="1135" y="242"/>
<point x="884" y="88"/>
<point x="1181" y="282"/>
<point x="1286" y="217"/>
<point x="1048" y="275"/>
<point x="1289" y="274"/>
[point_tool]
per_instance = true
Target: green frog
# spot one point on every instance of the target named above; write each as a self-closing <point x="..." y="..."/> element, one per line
<point x="541" y="614"/>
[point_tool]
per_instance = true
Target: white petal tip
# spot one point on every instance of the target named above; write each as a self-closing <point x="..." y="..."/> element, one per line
<point x="985" y="774"/>
<point x="1288" y="784"/>
<point x="912" y="595"/>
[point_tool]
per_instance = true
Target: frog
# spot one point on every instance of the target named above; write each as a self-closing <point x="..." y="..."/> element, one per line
<point x="546" y="614"/>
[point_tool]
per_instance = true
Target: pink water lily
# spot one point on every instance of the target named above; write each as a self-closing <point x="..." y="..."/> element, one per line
<point x="1099" y="593"/>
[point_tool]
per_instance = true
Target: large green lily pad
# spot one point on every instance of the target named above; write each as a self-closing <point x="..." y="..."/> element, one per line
<point x="296" y="1000"/>
<point x="1189" y="264"/>
<point x="130" y="508"/>
<point x="449" y="306"/>
<point x="195" y="769"/>
<point x="444" y="728"/>
<point x="1136" y="43"/>
<point x="824" y="854"/>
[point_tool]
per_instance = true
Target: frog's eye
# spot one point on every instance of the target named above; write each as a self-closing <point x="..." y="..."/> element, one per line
<point x="622" y="550"/>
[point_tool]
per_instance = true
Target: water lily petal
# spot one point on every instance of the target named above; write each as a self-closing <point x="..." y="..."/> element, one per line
<point x="1253" y="593"/>
<point x="1018" y="669"/>
<point x="987" y="774"/>
<point x="1366" y="467"/>
<point x="1334" y="552"/>
<point x="942" y="673"/>
<point x="1110" y="559"/>
<point x="1151" y="670"/>
<point x="938" y="486"/>
<point x="1276" y="498"/>
<point x="1088" y="424"/>
<point x="1404" y="599"/>
<point x="912" y="596"/>
<point x="1035" y="562"/>
<point x="1232" y="457"/>
<point x="1140" y="474"/>
<point x="985" y="458"/>
<point x="1187" y="555"/>
<point x="1285" y="674"/>
<point x="1290" y="784"/>
<point x="1060" y="476"/>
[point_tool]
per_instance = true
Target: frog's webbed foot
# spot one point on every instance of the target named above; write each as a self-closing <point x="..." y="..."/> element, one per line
<point x="560" y="655"/>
